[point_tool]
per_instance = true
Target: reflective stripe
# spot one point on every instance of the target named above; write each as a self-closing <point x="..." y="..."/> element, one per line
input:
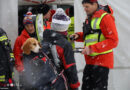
<point x="95" y="22"/>
<point x="2" y="38"/>
<point x="2" y="78"/>
<point x="11" y="55"/>
<point x="90" y="40"/>
<point x="94" y="54"/>
<point x="12" y="73"/>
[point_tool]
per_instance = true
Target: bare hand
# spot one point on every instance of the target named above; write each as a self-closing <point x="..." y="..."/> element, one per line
<point x="87" y="51"/>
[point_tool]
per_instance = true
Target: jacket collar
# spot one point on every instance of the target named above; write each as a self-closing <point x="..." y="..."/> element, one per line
<point x="25" y="34"/>
<point x="98" y="13"/>
<point x="51" y="35"/>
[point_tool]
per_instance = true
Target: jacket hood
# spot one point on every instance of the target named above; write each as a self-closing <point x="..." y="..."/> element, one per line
<point x="101" y="10"/>
<point x="51" y="36"/>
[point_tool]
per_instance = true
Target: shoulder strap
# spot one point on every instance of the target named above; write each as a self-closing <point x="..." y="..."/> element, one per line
<point x="50" y="62"/>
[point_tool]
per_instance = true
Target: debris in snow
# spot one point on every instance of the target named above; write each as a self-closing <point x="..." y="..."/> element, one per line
<point x="110" y="32"/>
<point x="103" y="46"/>
<point x="104" y="87"/>
<point x="100" y="63"/>
<point x="53" y="35"/>
<point x="55" y="41"/>
<point x="87" y="78"/>
<point x="92" y="75"/>
<point x="93" y="57"/>
<point x="87" y="86"/>
<point x="32" y="73"/>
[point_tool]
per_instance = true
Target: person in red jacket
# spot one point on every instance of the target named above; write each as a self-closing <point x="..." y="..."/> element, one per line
<point x="100" y="37"/>
<point x="28" y="32"/>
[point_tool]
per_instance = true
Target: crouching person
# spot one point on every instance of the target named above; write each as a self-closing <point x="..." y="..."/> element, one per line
<point x="6" y="63"/>
<point x="61" y="49"/>
<point x="40" y="72"/>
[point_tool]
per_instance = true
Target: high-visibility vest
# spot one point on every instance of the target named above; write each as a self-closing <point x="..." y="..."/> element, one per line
<point x="94" y="38"/>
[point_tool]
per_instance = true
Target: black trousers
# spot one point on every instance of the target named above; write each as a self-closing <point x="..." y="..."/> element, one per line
<point x="95" y="78"/>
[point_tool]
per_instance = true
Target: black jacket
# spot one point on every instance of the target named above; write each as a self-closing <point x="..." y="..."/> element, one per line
<point x="65" y="54"/>
<point x="37" y="70"/>
<point x="6" y="56"/>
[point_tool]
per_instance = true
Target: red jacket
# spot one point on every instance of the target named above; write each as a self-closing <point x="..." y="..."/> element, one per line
<point x="108" y="29"/>
<point x="17" y="49"/>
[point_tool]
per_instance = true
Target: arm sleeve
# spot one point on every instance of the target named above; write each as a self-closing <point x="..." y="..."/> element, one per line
<point x="18" y="55"/>
<point x="80" y="39"/>
<point x="67" y="57"/>
<point x="109" y="31"/>
<point x="5" y="42"/>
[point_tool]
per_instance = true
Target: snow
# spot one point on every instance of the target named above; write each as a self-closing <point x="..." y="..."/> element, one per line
<point x="103" y="46"/>
<point x="119" y="77"/>
<point x="53" y="35"/>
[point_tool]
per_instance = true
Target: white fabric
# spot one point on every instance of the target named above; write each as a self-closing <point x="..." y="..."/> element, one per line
<point x="58" y="22"/>
<point x="59" y="27"/>
<point x="119" y="77"/>
<point x="59" y="12"/>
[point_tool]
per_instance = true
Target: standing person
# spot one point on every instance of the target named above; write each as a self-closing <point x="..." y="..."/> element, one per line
<point x="29" y="31"/>
<point x="6" y="62"/>
<point x="100" y="37"/>
<point x="62" y="49"/>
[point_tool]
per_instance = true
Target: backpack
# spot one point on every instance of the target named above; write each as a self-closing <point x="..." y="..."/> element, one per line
<point x="39" y="70"/>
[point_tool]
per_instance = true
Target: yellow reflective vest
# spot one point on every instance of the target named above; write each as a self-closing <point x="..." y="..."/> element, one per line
<point x="94" y="38"/>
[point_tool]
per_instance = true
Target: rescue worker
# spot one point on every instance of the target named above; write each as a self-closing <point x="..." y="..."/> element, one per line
<point x="28" y="32"/>
<point x="61" y="48"/>
<point x="100" y="37"/>
<point x="6" y="62"/>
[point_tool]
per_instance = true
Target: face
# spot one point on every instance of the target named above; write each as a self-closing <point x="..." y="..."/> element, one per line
<point x="48" y="15"/>
<point x="90" y="8"/>
<point x="35" y="47"/>
<point x="30" y="28"/>
<point x="31" y="44"/>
